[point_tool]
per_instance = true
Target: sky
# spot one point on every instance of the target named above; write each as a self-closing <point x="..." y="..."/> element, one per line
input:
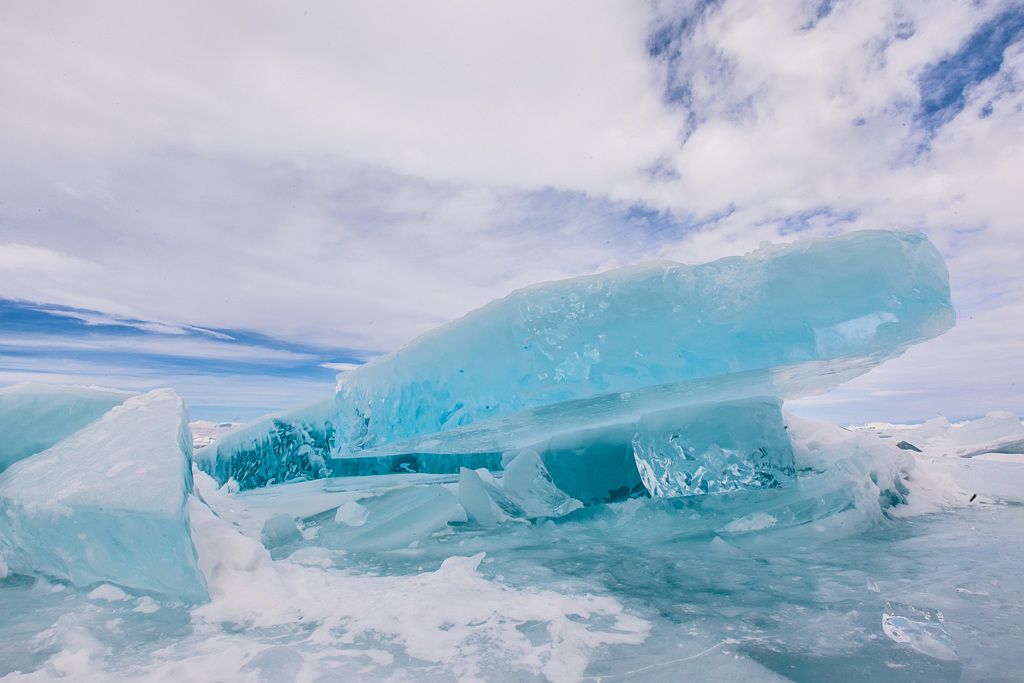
<point x="242" y="199"/>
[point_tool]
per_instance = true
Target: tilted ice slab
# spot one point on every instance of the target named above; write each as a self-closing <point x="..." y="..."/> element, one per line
<point x="108" y="504"/>
<point x="34" y="417"/>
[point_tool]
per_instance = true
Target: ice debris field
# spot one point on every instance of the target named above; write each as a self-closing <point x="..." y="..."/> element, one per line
<point x="592" y="479"/>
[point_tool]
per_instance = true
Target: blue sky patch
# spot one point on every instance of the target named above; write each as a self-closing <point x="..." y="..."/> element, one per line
<point x="944" y="85"/>
<point x="223" y="373"/>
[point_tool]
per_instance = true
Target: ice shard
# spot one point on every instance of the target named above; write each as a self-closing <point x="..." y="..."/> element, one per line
<point x="34" y="417"/>
<point x="108" y="503"/>
<point x="528" y="483"/>
<point x="923" y="630"/>
<point x="525" y="491"/>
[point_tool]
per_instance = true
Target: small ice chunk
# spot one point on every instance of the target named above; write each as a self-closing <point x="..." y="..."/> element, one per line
<point x="525" y="491"/>
<point x="108" y="593"/>
<point x="314" y="556"/>
<point x="477" y="497"/>
<point x="351" y="513"/>
<point x="752" y="522"/>
<point x="146" y="605"/>
<point x="4" y="571"/>
<point x="722" y="547"/>
<point x="923" y="630"/>
<point x="279" y="530"/>
<point x="527" y="483"/>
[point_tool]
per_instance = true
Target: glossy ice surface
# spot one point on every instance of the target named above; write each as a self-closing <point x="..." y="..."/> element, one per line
<point x="714" y="448"/>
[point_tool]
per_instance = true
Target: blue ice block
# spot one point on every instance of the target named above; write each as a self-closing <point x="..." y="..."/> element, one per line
<point x="108" y="503"/>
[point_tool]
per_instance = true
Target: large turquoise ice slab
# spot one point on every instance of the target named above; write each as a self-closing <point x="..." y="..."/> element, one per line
<point x="108" y="503"/>
<point x="33" y="417"/>
<point x="784" y="321"/>
<point x="571" y="368"/>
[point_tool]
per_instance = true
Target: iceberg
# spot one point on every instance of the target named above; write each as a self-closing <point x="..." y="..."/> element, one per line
<point x="34" y="417"/>
<point x="800" y="318"/>
<point x="108" y="503"/>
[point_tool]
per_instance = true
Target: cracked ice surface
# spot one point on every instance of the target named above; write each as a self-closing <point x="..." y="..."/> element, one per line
<point x="774" y="584"/>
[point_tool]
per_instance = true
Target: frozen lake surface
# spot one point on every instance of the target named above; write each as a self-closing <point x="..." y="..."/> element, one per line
<point x="643" y="589"/>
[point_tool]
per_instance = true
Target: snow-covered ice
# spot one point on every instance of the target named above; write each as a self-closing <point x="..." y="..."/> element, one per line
<point x="999" y="431"/>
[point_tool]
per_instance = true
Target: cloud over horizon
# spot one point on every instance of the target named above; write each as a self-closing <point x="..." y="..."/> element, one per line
<point x="321" y="183"/>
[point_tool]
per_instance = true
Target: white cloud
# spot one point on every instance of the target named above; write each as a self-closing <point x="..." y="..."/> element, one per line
<point x="354" y="175"/>
<point x="340" y="367"/>
<point x="524" y="94"/>
<point x="171" y="346"/>
<point x="20" y="260"/>
<point x="214" y="396"/>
